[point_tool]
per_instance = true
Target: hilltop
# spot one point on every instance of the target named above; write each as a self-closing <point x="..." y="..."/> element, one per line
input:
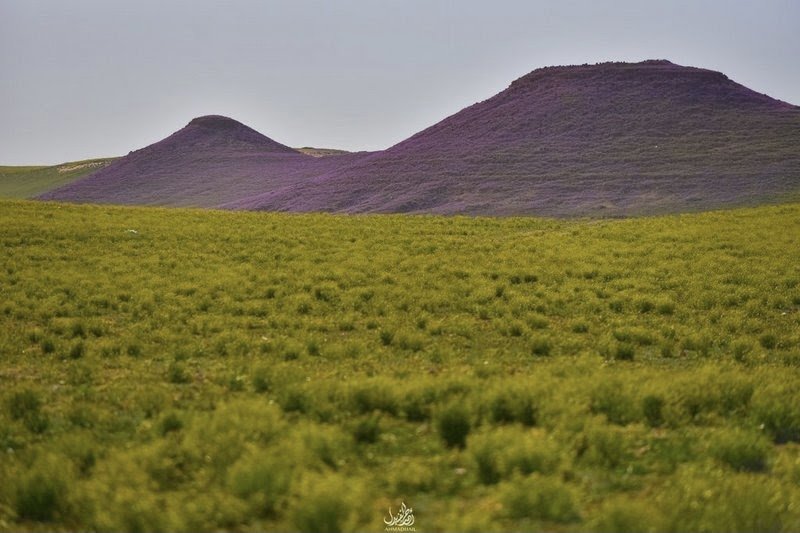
<point x="611" y="139"/>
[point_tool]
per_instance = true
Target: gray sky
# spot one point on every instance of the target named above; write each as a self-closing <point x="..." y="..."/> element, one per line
<point x="90" y="78"/>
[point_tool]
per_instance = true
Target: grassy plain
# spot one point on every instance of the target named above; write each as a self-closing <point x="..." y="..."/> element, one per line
<point x="29" y="181"/>
<point x="201" y="370"/>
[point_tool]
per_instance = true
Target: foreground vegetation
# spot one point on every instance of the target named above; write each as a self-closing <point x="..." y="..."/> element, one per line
<point x="195" y="370"/>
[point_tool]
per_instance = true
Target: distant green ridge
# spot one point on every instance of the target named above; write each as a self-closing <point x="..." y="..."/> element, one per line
<point x="29" y="181"/>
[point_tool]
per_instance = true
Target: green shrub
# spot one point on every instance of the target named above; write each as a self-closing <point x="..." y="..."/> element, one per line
<point x="347" y="325"/>
<point x="261" y="380"/>
<point x="81" y="451"/>
<point x="487" y="462"/>
<point x="734" y="393"/>
<point x="541" y="346"/>
<point x="539" y="498"/>
<point x="77" y="350"/>
<point x="700" y="500"/>
<point x="624" y="352"/>
<point x="82" y="416"/>
<point x="386" y="337"/>
<point x="169" y="423"/>
<point x="222" y="435"/>
<point x="612" y="399"/>
<point x="208" y="510"/>
<point x="634" y="335"/>
<point x="453" y="425"/>
<point x="375" y="395"/>
<point x="42" y="492"/>
<point x="416" y="404"/>
<point x="627" y="516"/>
<point x="768" y="341"/>
<point x="779" y="413"/>
<point x="538" y="322"/>
<point x="665" y="307"/>
<point x="580" y="327"/>
<point x="530" y="454"/>
<point x="744" y="451"/>
<point x="501" y="408"/>
<point x="323" y="504"/>
<point x="501" y="453"/>
<point x="37" y="424"/>
<point x="263" y="478"/>
<point x="26" y="406"/>
<point x="604" y="447"/>
<point x="667" y="349"/>
<point x="130" y="501"/>
<point x="515" y="330"/>
<point x="38" y="499"/>
<point x="169" y="465"/>
<point x="295" y="400"/>
<point x="23" y="404"/>
<point x="312" y="347"/>
<point x="236" y="383"/>
<point x="645" y="306"/>
<point x="367" y="430"/>
<point x="415" y="343"/>
<point x="78" y="330"/>
<point x="134" y="349"/>
<point x="700" y="343"/>
<point x="326" y="446"/>
<point x="508" y="405"/>
<point x="740" y="350"/>
<point x="291" y="352"/>
<point x="652" y="408"/>
<point x="176" y="373"/>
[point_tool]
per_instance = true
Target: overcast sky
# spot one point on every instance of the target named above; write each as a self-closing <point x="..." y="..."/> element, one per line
<point x="90" y="78"/>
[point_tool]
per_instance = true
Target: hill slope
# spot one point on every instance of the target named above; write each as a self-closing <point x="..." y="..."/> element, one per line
<point x="612" y="139"/>
<point x="29" y="181"/>
<point x="608" y="139"/>
<point x="210" y="161"/>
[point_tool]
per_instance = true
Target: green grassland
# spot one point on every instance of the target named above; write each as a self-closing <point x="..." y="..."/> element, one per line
<point x="29" y="181"/>
<point x="166" y="369"/>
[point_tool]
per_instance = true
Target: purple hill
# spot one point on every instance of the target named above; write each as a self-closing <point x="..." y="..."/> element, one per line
<point x="611" y="139"/>
<point x="211" y="161"/>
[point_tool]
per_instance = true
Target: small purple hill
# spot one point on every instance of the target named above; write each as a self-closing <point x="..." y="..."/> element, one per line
<point x="211" y="161"/>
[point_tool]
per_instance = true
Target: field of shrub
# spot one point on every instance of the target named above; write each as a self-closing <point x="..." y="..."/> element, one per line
<point x="201" y="370"/>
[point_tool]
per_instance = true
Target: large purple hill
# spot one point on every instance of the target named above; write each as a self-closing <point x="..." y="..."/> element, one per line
<point x="612" y="139"/>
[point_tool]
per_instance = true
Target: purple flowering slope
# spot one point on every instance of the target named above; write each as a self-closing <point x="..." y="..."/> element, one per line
<point x="612" y="139"/>
<point x="211" y="161"/>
